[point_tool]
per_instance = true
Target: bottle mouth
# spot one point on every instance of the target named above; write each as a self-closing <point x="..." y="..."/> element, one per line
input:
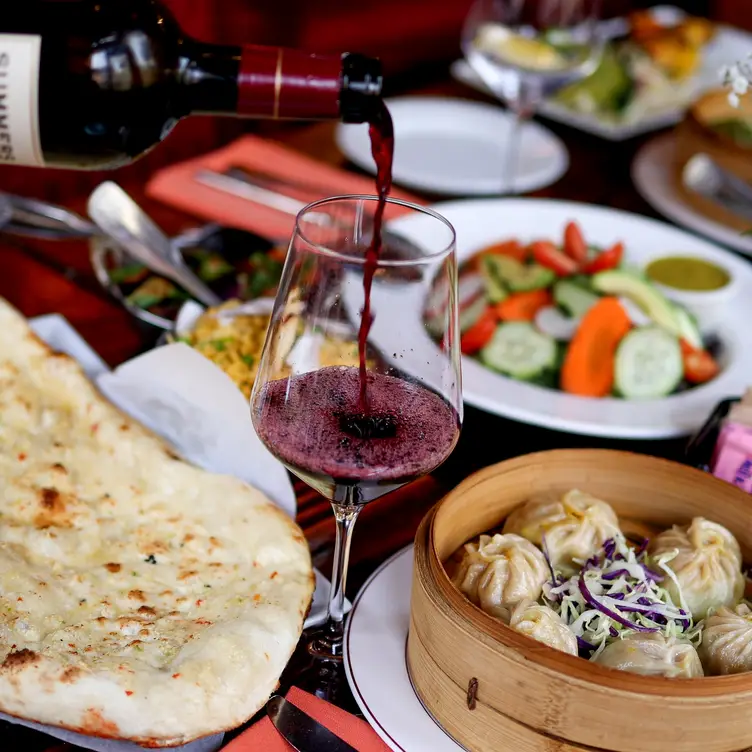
<point x="360" y="90"/>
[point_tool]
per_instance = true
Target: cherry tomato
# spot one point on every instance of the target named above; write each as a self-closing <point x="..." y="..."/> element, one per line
<point x="574" y="243"/>
<point x="608" y="259"/>
<point x="547" y="254"/>
<point x="478" y="335"/>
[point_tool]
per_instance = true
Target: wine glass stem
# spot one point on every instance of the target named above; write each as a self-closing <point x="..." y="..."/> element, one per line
<point x="511" y="157"/>
<point x="521" y="108"/>
<point x="329" y="643"/>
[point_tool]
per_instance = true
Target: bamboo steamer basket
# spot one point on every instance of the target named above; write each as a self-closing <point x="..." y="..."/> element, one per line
<point x="492" y="688"/>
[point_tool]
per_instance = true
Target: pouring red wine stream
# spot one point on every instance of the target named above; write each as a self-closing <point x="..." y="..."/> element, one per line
<point x="381" y="131"/>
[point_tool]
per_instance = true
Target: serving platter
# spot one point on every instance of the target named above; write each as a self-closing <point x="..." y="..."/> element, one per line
<point x="728" y="46"/>
<point x="479" y="223"/>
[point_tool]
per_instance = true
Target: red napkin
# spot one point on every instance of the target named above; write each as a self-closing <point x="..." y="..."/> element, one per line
<point x="176" y="185"/>
<point x="263" y="735"/>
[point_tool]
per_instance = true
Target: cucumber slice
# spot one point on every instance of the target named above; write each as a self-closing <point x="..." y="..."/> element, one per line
<point x="573" y="298"/>
<point x="648" y="364"/>
<point x="519" y="350"/>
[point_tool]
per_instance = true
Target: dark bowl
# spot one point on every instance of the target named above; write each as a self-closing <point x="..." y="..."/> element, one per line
<point x="233" y="263"/>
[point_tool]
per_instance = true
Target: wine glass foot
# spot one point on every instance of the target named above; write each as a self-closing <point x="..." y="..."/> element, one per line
<point x="316" y="669"/>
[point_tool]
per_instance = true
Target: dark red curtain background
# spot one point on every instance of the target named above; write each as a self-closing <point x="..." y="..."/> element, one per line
<point x="404" y="33"/>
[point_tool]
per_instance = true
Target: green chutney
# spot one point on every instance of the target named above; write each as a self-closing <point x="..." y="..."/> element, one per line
<point x="687" y="273"/>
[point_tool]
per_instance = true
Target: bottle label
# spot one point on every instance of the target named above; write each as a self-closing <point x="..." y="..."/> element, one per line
<point x="19" y="99"/>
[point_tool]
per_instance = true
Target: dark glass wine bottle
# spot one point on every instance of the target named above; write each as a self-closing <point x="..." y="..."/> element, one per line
<point x="94" y="84"/>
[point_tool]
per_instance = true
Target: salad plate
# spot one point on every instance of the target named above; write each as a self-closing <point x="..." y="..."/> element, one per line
<point x="482" y="223"/>
<point x="375" y="638"/>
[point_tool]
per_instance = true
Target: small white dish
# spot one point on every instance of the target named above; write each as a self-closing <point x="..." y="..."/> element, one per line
<point x="457" y="147"/>
<point x="653" y="177"/>
<point x="375" y="642"/>
<point x="708" y="306"/>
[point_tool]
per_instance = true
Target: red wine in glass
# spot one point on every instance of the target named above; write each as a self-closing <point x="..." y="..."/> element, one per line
<point x="313" y="423"/>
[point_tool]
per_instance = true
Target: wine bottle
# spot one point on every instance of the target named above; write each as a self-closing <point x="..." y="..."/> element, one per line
<point x="94" y="84"/>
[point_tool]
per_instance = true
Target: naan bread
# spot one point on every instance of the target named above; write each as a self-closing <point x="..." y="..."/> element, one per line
<point x="141" y="598"/>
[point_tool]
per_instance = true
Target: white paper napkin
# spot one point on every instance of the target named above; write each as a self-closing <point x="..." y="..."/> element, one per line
<point x="196" y="407"/>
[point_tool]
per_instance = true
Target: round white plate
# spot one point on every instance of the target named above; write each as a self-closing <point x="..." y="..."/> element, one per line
<point x="375" y="642"/>
<point x="652" y="175"/>
<point x="481" y="222"/>
<point x="457" y="147"/>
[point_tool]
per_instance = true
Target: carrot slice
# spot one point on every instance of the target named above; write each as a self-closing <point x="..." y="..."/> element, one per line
<point x="522" y="306"/>
<point x="588" y="369"/>
<point x="574" y="243"/>
<point x="478" y="335"/>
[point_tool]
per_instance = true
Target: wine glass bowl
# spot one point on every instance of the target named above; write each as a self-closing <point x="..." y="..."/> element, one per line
<point x="527" y="50"/>
<point x="357" y="428"/>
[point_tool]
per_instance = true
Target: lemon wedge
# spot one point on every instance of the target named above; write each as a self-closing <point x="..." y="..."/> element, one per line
<point x="515" y="49"/>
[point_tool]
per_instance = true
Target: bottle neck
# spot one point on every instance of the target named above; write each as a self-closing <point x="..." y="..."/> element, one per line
<point x="276" y="82"/>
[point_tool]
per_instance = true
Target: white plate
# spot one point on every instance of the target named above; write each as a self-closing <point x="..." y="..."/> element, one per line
<point x="481" y="222"/>
<point x="728" y="46"/>
<point x="375" y="642"/>
<point x="652" y="174"/>
<point x="457" y="147"/>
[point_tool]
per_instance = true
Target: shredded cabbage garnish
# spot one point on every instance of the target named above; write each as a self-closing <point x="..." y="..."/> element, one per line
<point x="615" y="593"/>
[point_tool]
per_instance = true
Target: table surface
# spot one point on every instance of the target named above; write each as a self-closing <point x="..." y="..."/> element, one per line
<point x="44" y="276"/>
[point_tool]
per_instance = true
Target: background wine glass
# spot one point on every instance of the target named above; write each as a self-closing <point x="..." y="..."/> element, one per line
<point x="526" y="50"/>
<point x="307" y="405"/>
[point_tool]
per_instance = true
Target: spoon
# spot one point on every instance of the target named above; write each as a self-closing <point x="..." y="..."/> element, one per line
<point x="705" y="176"/>
<point x="119" y="217"/>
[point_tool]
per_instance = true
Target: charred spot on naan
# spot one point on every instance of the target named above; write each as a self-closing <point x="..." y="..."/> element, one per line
<point x="19" y="660"/>
<point x="54" y="509"/>
<point x="94" y="723"/>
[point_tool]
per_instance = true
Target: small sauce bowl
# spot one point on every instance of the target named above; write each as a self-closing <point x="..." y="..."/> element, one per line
<point x="703" y="286"/>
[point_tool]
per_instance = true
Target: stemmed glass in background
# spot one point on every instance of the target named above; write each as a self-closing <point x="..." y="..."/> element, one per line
<point x="526" y="50"/>
<point x="309" y="405"/>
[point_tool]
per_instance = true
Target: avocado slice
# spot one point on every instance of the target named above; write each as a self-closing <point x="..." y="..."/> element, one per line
<point x="643" y="294"/>
<point x="609" y="88"/>
<point x="521" y="277"/>
<point x="496" y="290"/>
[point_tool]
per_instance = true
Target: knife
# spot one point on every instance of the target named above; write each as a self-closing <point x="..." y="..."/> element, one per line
<point x="300" y="731"/>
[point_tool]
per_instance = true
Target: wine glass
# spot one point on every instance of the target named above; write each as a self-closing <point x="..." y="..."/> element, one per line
<point x="526" y="50"/>
<point x="355" y="429"/>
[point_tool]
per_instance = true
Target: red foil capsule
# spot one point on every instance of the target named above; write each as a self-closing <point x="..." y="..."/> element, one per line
<point x="277" y="82"/>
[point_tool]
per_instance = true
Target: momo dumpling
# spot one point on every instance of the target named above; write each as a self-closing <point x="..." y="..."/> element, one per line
<point x="727" y="641"/>
<point x="707" y="563"/>
<point x="543" y="624"/>
<point x="574" y="527"/>
<point x="497" y="572"/>
<point x="652" y="654"/>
